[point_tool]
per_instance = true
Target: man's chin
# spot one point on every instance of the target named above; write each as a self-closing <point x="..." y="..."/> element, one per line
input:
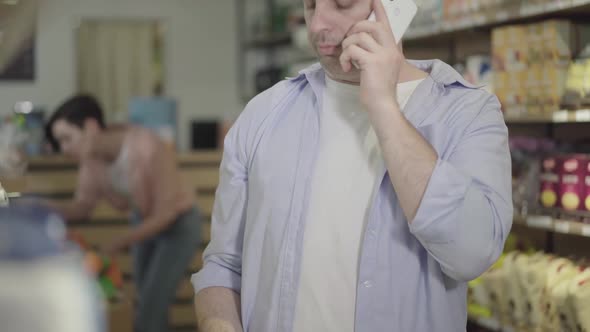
<point x="334" y="69"/>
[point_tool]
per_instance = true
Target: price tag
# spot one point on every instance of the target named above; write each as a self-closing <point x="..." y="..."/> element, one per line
<point x="502" y="16"/>
<point x="562" y="227"/>
<point x="554" y="5"/>
<point x="583" y="116"/>
<point x="539" y="222"/>
<point x="586" y="230"/>
<point x="525" y="10"/>
<point x="560" y="116"/>
<point x="489" y="323"/>
<point x="537" y="9"/>
<point x="479" y="20"/>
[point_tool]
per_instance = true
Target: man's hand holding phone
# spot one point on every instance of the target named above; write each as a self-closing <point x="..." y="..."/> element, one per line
<point x="372" y="47"/>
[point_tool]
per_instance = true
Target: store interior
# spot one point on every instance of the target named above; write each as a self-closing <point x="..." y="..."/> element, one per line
<point x="186" y="69"/>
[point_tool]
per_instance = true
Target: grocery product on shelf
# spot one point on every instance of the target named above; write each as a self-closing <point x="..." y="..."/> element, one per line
<point x="559" y="271"/>
<point x="531" y="65"/>
<point x="571" y="182"/>
<point x="478" y="71"/>
<point x="532" y="278"/>
<point x="579" y="299"/>
<point x="106" y="271"/>
<point x="514" y="307"/>
<point x="549" y="182"/>
<point x="577" y="86"/>
<point x="565" y="182"/>
<point x="530" y="171"/>
<point x="535" y="292"/>
<point x="509" y="53"/>
<point x="430" y="13"/>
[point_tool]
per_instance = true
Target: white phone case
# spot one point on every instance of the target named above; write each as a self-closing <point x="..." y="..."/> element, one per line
<point x="400" y="14"/>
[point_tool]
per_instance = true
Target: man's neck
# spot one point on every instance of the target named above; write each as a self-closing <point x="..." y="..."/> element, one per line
<point x="408" y="73"/>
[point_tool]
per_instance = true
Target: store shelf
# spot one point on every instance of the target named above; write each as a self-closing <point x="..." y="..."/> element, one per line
<point x="490" y="324"/>
<point x="554" y="224"/>
<point x="487" y="323"/>
<point x="269" y="41"/>
<point x="488" y="19"/>
<point x="563" y="116"/>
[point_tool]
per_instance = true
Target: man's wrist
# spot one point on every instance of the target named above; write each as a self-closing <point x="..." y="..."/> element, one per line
<point x="384" y="107"/>
<point x="384" y="117"/>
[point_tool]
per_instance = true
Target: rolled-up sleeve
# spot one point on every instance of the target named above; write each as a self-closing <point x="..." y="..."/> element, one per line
<point x="222" y="258"/>
<point x="466" y="212"/>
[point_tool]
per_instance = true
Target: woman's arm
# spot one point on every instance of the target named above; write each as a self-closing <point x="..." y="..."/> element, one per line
<point x="85" y="199"/>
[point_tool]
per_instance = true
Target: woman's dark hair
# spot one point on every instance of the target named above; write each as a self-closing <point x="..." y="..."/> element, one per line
<point x="75" y="111"/>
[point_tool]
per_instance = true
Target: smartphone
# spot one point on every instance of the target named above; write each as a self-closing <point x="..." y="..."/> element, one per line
<point x="400" y="14"/>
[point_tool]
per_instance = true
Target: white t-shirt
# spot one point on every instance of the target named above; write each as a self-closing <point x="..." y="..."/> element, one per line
<point x="345" y="177"/>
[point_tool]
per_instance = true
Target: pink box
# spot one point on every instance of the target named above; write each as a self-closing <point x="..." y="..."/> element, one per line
<point x="587" y="189"/>
<point x="572" y="182"/>
<point x="549" y="182"/>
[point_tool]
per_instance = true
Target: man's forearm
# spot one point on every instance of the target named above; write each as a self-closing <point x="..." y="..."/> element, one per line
<point x="409" y="158"/>
<point x="218" y="310"/>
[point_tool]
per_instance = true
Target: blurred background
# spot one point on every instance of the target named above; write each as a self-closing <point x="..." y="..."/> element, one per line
<point x="186" y="69"/>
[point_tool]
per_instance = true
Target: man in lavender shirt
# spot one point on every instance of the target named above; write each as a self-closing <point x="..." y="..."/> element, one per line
<point x="357" y="199"/>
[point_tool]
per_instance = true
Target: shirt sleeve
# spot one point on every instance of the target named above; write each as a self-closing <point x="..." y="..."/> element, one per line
<point x="466" y="211"/>
<point x="223" y="256"/>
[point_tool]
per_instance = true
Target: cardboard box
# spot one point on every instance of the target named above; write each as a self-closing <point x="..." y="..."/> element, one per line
<point x="516" y="51"/>
<point x="516" y="92"/>
<point x="558" y="41"/>
<point x="535" y="43"/>
<point x="499" y="37"/>
<point x="501" y="87"/>
<point x="554" y="86"/>
<point x="534" y="88"/>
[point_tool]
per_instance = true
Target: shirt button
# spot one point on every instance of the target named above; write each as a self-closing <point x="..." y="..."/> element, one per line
<point x="368" y="284"/>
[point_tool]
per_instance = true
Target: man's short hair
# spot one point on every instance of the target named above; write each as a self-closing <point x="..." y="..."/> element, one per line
<point x="75" y="111"/>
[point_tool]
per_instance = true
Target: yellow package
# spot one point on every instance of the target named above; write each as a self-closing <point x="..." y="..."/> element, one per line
<point x="501" y="86"/>
<point x="534" y="88"/>
<point x="516" y="53"/>
<point x="499" y="37"/>
<point x="558" y="41"/>
<point x="554" y="81"/>
<point x="499" y="48"/>
<point x="574" y="85"/>
<point x="535" y="43"/>
<point x="586" y="83"/>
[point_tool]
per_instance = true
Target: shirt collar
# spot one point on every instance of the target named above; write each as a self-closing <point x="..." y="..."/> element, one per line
<point x="439" y="71"/>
